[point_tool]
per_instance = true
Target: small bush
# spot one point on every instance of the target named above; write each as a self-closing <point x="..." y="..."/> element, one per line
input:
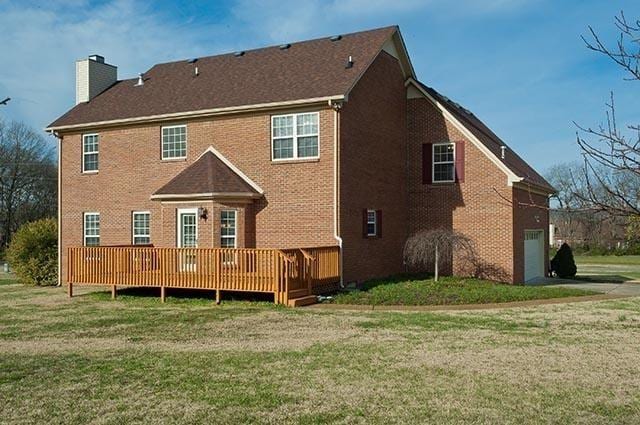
<point x="563" y="263"/>
<point x="33" y="253"/>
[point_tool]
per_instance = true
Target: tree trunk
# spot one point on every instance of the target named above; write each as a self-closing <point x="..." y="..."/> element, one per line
<point x="436" y="265"/>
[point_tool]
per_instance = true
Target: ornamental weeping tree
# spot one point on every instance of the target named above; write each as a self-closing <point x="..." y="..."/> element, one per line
<point x="428" y="249"/>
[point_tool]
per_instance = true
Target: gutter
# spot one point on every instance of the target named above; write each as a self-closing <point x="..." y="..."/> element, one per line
<point x="200" y="113"/>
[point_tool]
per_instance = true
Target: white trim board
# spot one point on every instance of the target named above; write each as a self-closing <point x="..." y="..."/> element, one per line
<point x="201" y="113"/>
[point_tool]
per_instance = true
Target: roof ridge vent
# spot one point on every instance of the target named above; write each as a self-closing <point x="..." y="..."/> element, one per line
<point x="192" y="60"/>
<point x="140" y="81"/>
<point x="285" y="46"/>
<point x="336" y="38"/>
<point x="239" y="53"/>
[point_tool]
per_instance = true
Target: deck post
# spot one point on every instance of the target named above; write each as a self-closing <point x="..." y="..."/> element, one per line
<point x="218" y="296"/>
<point x="113" y="292"/>
<point x="162" y="294"/>
<point x="70" y="289"/>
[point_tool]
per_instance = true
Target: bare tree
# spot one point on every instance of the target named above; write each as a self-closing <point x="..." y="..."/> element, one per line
<point x="28" y="178"/>
<point x="611" y="171"/>
<point x="428" y="248"/>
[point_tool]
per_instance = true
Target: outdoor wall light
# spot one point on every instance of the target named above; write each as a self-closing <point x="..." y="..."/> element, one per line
<point x="202" y="213"/>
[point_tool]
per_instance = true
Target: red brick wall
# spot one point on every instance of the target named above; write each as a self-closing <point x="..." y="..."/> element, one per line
<point x="530" y="212"/>
<point x="297" y="209"/>
<point x="372" y="171"/>
<point x="475" y="207"/>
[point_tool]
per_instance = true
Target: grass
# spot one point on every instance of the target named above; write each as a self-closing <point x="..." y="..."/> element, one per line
<point x="448" y="290"/>
<point x="134" y="360"/>
<point x="608" y="268"/>
<point x="608" y="259"/>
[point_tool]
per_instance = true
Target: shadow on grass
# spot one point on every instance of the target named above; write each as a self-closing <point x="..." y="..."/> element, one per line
<point x="180" y="295"/>
<point x="602" y="278"/>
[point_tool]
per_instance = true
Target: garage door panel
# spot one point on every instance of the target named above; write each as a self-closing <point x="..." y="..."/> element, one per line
<point x="533" y="254"/>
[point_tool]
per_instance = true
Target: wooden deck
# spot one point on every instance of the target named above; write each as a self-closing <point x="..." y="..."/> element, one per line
<point x="289" y="274"/>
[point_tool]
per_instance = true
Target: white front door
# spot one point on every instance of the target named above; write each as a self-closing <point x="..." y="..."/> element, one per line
<point x="187" y="236"/>
<point x="533" y="254"/>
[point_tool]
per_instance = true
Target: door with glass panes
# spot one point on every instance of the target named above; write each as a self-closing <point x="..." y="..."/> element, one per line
<point x="187" y="236"/>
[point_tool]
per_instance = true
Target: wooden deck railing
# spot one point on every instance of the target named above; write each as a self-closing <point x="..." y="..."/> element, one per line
<point x="285" y="273"/>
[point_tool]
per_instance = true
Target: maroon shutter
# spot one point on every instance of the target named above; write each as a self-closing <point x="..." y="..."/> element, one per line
<point x="427" y="155"/>
<point x="379" y="223"/>
<point x="459" y="162"/>
<point x="364" y="223"/>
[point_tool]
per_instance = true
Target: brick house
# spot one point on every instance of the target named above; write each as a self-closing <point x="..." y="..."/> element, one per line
<point x="326" y="142"/>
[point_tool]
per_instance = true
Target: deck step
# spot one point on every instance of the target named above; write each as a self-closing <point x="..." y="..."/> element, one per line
<point x="298" y="293"/>
<point x="302" y="301"/>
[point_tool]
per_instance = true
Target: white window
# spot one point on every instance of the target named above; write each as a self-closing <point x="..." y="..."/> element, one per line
<point x="174" y="142"/>
<point x="90" y="147"/>
<point x="91" y="229"/>
<point x="294" y="136"/>
<point x="444" y="170"/>
<point x="372" y="223"/>
<point x="141" y="227"/>
<point x="228" y="229"/>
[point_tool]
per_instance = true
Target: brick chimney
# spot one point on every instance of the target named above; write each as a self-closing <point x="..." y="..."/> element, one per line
<point x="93" y="76"/>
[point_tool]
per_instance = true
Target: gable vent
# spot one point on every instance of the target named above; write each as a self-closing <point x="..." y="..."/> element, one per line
<point x="238" y="54"/>
<point x="285" y="46"/>
<point x="336" y="38"/>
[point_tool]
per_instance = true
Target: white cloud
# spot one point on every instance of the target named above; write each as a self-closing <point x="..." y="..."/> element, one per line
<point x="41" y="44"/>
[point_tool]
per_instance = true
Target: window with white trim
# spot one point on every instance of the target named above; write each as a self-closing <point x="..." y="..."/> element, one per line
<point x="141" y="227"/>
<point x="294" y="136"/>
<point x="90" y="146"/>
<point x="228" y="228"/>
<point x="174" y="142"/>
<point x="91" y="229"/>
<point x="372" y="223"/>
<point x="444" y="169"/>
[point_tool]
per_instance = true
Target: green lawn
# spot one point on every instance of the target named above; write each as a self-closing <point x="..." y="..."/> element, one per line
<point x="448" y="290"/>
<point x="608" y="259"/>
<point x="610" y="268"/>
<point x="135" y="360"/>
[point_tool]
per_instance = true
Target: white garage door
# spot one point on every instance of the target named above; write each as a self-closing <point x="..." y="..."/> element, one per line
<point x="533" y="254"/>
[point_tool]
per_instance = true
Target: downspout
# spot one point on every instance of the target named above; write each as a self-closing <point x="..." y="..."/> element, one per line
<point x="59" y="142"/>
<point x="336" y="120"/>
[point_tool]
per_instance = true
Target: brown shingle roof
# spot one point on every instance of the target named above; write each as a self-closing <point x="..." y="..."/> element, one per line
<point x="489" y="139"/>
<point x="306" y="70"/>
<point x="207" y="177"/>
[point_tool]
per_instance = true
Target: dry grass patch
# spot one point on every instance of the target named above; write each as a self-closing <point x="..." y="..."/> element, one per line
<point x="135" y="360"/>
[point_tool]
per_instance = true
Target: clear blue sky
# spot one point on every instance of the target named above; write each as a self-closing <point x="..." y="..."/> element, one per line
<point x="518" y="64"/>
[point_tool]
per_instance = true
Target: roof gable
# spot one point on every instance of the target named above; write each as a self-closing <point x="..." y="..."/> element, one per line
<point x="516" y="168"/>
<point x="305" y="70"/>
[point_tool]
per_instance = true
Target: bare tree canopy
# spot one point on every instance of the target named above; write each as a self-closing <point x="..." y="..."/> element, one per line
<point x="611" y="172"/>
<point x="428" y="249"/>
<point x="28" y="178"/>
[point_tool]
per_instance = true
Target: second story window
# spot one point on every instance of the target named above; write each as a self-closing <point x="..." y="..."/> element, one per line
<point x="141" y="228"/>
<point x="174" y="142"/>
<point x="444" y="163"/>
<point x="90" y="145"/>
<point x="294" y="136"/>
